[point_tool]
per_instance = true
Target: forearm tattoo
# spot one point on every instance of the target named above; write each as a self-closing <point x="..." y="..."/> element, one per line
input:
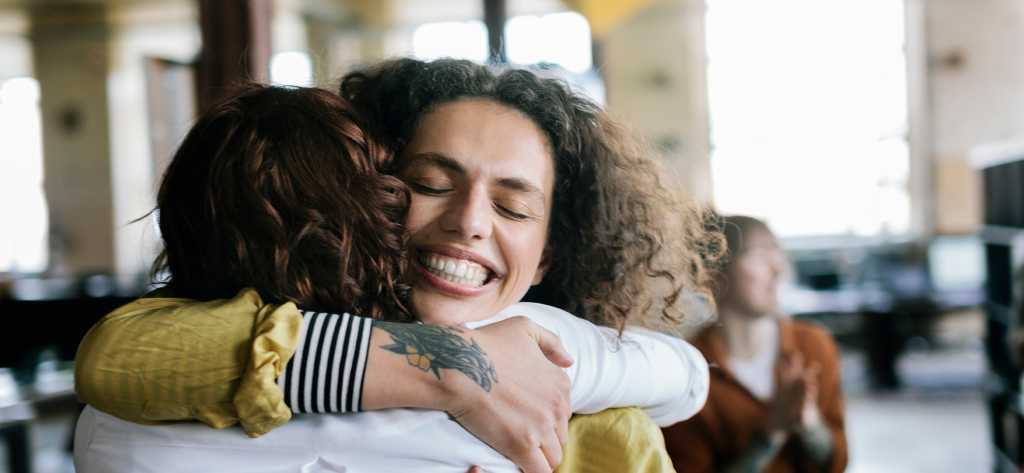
<point x="757" y="457"/>
<point x="817" y="441"/>
<point x="437" y="347"/>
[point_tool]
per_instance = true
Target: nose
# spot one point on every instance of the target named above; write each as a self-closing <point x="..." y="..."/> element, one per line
<point x="469" y="215"/>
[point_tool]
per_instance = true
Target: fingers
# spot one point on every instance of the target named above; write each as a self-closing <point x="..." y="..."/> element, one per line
<point x="811" y="383"/>
<point x="797" y="362"/>
<point x="562" y="431"/>
<point x="552" y="449"/>
<point x="551" y="346"/>
<point x="534" y="462"/>
<point x="476" y="469"/>
<point x="792" y="367"/>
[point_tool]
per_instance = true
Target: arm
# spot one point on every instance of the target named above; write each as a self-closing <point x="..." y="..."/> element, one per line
<point x="825" y="442"/>
<point x="817" y="442"/>
<point x="759" y="454"/>
<point x="788" y="407"/>
<point x="802" y="399"/>
<point x="664" y="376"/>
<point x="162" y="360"/>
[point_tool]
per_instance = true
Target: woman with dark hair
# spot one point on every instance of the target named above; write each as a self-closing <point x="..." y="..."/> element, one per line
<point x="775" y="403"/>
<point x="513" y="177"/>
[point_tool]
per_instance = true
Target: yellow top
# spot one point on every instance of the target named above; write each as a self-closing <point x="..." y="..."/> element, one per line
<point x="615" y="440"/>
<point x="164" y="360"/>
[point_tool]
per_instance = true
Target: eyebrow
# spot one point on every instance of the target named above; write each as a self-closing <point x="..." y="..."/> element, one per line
<point x="521" y="185"/>
<point x="436" y="159"/>
<point x="441" y="160"/>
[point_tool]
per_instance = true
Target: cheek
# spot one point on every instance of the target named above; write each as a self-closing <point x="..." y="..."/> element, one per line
<point x="524" y="249"/>
<point x="421" y="213"/>
<point x="762" y="280"/>
<point x="749" y="282"/>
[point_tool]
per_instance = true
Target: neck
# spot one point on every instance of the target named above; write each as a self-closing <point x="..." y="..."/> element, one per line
<point x="743" y="334"/>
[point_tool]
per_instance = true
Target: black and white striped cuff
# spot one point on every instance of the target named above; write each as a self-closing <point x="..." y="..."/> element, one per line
<point x="326" y="373"/>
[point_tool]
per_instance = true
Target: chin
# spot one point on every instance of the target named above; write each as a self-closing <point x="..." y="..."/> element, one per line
<point x="438" y="314"/>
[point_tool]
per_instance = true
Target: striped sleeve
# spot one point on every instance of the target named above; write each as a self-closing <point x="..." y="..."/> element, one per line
<point x="326" y="373"/>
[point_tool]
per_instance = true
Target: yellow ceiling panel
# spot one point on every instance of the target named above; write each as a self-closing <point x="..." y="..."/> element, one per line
<point x="605" y="15"/>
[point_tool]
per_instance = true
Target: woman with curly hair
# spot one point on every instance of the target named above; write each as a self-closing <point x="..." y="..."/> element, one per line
<point x="513" y="180"/>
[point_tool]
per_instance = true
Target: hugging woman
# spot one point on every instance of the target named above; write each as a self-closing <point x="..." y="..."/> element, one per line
<point x="513" y="182"/>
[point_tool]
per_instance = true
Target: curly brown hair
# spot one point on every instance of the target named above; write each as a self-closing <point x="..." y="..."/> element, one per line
<point x="278" y="189"/>
<point x="622" y="244"/>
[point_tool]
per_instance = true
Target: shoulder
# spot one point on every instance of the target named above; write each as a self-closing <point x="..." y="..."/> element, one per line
<point x="534" y="309"/>
<point x="706" y="342"/>
<point x="810" y="329"/>
<point x="551" y="318"/>
<point x="810" y="336"/>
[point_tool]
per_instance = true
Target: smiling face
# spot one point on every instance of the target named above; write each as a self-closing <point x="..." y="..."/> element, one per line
<point x="481" y="177"/>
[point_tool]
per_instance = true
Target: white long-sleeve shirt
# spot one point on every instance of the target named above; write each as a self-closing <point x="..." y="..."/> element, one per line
<point x="663" y="375"/>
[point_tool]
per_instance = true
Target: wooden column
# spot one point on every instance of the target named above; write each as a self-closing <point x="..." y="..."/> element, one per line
<point x="236" y="45"/>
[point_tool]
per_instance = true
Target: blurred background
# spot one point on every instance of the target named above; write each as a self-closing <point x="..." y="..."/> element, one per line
<point x="881" y="139"/>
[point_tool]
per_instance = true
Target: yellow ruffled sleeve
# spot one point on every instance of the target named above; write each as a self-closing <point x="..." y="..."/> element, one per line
<point x="162" y="360"/>
<point x="614" y="440"/>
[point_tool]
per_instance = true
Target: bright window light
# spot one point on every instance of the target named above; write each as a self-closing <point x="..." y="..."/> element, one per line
<point x="556" y="38"/>
<point x="454" y="39"/>
<point x="291" y="68"/>
<point x="808" y="111"/>
<point x="23" y="235"/>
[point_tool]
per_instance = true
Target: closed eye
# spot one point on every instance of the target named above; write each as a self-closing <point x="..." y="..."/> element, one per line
<point x="510" y="214"/>
<point x="427" y="190"/>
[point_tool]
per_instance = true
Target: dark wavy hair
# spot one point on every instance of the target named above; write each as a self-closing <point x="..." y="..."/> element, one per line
<point x="278" y="189"/>
<point x="622" y="243"/>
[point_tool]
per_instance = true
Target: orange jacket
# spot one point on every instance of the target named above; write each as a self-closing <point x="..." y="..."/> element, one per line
<point x="732" y="415"/>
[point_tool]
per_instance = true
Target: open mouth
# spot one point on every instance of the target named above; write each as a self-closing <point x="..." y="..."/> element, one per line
<point x="456" y="270"/>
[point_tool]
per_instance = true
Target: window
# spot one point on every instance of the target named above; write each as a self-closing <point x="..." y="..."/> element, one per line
<point x="456" y="39"/>
<point x="557" y="43"/>
<point x="808" y="110"/>
<point x="23" y="234"/>
<point x="556" y="38"/>
<point x="291" y="68"/>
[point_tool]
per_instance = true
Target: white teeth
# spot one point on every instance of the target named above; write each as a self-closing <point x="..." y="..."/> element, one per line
<point x="459" y="273"/>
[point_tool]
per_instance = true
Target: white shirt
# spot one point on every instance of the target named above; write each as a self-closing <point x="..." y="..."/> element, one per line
<point x="663" y="375"/>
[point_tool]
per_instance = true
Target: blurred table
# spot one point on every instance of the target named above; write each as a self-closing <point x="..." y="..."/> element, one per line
<point x="885" y="318"/>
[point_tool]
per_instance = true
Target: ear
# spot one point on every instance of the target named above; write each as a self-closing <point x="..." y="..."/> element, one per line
<point x="542" y="268"/>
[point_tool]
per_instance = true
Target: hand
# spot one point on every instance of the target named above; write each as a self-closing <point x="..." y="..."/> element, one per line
<point x="525" y="415"/>
<point x="791" y="396"/>
<point x="810" y="415"/>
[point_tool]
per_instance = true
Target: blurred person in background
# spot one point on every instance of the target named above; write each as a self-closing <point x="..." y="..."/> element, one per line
<point x="775" y="403"/>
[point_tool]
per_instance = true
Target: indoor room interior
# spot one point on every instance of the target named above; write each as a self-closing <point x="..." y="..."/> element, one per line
<point x="882" y="141"/>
